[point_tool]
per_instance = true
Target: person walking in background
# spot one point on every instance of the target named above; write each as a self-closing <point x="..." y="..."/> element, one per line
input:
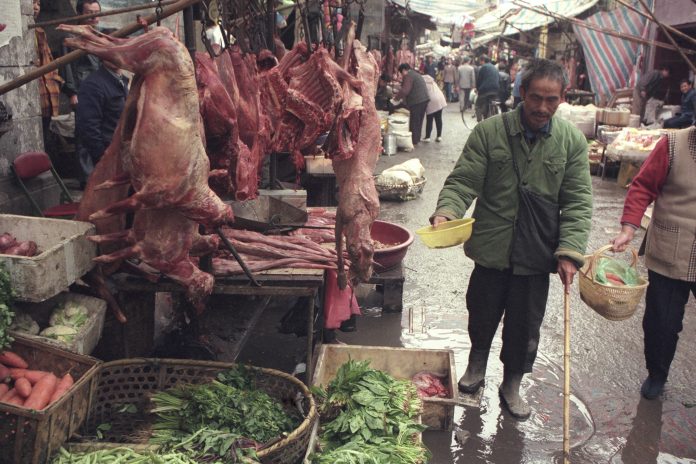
<point x="101" y="100"/>
<point x="685" y="117"/>
<point x="430" y="67"/>
<point x="649" y="86"/>
<point x="466" y="82"/>
<point x="519" y="237"/>
<point x="667" y="178"/>
<point x="505" y="86"/>
<point x="77" y="71"/>
<point x="487" y="87"/>
<point x="516" y="98"/>
<point x="434" y="109"/>
<point x="449" y="77"/>
<point x="414" y="94"/>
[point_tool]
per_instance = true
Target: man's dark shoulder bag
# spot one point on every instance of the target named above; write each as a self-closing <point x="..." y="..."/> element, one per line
<point x="537" y="227"/>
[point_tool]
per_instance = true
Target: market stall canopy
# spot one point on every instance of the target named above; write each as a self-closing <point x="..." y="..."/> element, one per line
<point x="509" y="18"/>
<point x="444" y="11"/>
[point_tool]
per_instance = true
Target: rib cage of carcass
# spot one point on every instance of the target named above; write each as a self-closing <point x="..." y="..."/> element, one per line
<point x="157" y="151"/>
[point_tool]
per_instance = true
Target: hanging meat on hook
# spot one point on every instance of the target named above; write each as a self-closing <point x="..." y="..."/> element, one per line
<point x="159" y="152"/>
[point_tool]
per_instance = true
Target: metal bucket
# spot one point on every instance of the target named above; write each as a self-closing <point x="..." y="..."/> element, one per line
<point x="389" y="144"/>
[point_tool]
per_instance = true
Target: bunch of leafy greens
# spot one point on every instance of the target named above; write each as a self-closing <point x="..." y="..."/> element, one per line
<point x="369" y="417"/>
<point x="227" y="417"/>
<point x="6" y="313"/>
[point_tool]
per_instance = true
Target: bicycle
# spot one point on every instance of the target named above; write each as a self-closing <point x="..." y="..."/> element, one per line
<point x="491" y="109"/>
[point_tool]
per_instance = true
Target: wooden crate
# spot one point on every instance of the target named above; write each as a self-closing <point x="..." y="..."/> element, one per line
<point x="401" y="363"/>
<point x="31" y="437"/>
<point x="65" y="255"/>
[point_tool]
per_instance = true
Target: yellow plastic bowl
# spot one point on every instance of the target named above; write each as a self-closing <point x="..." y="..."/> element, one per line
<point x="448" y="234"/>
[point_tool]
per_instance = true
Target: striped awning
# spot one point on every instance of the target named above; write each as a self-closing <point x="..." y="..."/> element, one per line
<point x="611" y="62"/>
<point x="509" y="19"/>
<point x="444" y="11"/>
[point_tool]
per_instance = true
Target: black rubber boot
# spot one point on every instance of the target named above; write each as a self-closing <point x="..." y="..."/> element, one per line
<point x="510" y="396"/>
<point x="475" y="374"/>
<point x="652" y="387"/>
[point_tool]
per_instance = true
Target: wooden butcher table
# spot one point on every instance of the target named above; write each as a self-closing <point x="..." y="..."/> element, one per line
<point x="137" y="299"/>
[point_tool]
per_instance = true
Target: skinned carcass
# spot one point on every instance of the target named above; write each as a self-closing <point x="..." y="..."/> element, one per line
<point x="158" y="151"/>
<point x="358" y="201"/>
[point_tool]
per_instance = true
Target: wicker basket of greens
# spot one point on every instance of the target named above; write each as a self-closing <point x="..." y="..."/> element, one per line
<point x="209" y="411"/>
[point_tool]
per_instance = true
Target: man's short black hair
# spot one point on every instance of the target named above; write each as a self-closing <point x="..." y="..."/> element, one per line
<point x="80" y="7"/>
<point x="485" y="58"/>
<point x="543" y="69"/>
<point x="404" y="67"/>
<point x="664" y="67"/>
<point x="685" y="80"/>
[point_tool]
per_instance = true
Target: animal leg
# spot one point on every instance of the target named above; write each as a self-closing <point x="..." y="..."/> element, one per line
<point x="131" y="203"/>
<point x="124" y="253"/>
<point x="122" y="236"/>
<point x="121" y="179"/>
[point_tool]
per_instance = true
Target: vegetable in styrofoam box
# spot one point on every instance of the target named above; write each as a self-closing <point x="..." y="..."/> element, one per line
<point x="25" y="324"/>
<point x="62" y="333"/>
<point x="70" y="313"/>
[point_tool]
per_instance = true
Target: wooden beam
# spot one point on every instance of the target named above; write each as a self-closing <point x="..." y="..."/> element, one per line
<point x="669" y="28"/>
<point x="75" y="54"/>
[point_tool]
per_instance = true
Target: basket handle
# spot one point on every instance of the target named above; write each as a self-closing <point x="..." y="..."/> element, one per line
<point x="594" y="257"/>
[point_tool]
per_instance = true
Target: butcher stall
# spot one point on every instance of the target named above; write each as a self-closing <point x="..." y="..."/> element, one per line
<point x="107" y="350"/>
<point x="630" y="147"/>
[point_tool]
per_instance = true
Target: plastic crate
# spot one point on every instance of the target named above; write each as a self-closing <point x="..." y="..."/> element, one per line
<point x="31" y="437"/>
<point x="65" y="255"/>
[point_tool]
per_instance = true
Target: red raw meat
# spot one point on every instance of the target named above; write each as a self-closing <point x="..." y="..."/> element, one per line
<point x="159" y="151"/>
<point x="358" y="202"/>
<point x="430" y="385"/>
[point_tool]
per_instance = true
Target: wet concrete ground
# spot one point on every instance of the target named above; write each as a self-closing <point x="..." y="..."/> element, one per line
<point x="610" y="423"/>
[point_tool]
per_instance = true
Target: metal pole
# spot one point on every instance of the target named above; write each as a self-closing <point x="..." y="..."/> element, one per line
<point x="669" y="37"/>
<point x="566" y="376"/>
<point x="76" y="54"/>
<point x="101" y="14"/>
<point x="190" y="33"/>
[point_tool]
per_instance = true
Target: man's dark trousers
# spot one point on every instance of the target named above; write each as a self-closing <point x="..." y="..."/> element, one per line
<point x="665" y="300"/>
<point x="522" y="301"/>
<point x="415" y="121"/>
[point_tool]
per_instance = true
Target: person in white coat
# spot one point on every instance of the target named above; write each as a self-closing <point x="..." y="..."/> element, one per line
<point x="434" y="109"/>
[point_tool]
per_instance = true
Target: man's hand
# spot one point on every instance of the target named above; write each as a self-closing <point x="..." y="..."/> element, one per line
<point x="643" y="94"/>
<point x="73" y="101"/>
<point x="621" y="241"/>
<point x="566" y="271"/>
<point x="437" y="220"/>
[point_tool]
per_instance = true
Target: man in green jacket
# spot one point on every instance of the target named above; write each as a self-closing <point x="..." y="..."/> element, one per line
<point x="550" y="160"/>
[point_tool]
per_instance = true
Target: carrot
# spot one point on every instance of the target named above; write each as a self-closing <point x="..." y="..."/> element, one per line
<point x="4" y="388"/>
<point x="42" y="392"/>
<point x="30" y="375"/>
<point x="23" y="387"/>
<point x="8" y="358"/>
<point x="63" y="386"/>
<point x="8" y="394"/>
<point x="4" y="374"/>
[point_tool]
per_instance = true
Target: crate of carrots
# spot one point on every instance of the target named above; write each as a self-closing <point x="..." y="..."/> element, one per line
<point x="45" y="399"/>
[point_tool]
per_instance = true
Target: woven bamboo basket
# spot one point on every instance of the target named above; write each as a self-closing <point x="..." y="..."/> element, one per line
<point x="30" y="437"/>
<point x="611" y="302"/>
<point x="129" y="381"/>
<point x="401" y="192"/>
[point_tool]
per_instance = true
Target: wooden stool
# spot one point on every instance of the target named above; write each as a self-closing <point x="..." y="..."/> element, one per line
<point x="392" y="282"/>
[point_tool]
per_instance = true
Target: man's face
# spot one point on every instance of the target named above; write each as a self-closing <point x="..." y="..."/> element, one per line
<point x="665" y="73"/>
<point x="403" y="73"/>
<point x="541" y="101"/>
<point x="36" y="4"/>
<point x="90" y="8"/>
<point x="684" y="87"/>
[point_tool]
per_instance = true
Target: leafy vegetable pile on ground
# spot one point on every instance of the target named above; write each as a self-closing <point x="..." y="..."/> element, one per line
<point x="6" y="313"/>
<point x="123" y="455"/>
<point x="367" y="417"/>
<point x="228" y="417"/>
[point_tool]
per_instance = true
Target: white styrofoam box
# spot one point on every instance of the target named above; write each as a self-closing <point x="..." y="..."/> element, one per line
<point x="318" y="165"/>
<point x="64" y="255"/>
<point x="88" y="335"/>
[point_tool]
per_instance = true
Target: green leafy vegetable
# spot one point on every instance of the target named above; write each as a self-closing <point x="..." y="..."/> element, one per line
<point x="6" y="313"/>
<point x="122" y="455"/>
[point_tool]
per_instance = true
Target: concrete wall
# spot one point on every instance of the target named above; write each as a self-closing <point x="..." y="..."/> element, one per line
<point x="675" y="12"/>
<point x="17" y="58"/>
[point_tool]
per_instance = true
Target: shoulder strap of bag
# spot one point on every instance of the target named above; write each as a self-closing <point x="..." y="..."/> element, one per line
<point x="506" y="123"/>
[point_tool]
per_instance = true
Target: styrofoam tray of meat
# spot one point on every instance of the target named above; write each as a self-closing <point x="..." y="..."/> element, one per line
<point x="64" y="255"/>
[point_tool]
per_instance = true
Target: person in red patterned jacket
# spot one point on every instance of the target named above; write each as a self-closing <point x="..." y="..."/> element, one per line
<point x="666" y="178"/>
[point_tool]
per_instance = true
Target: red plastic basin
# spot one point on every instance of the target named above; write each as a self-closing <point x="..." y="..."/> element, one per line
<point x="389" y="233"/>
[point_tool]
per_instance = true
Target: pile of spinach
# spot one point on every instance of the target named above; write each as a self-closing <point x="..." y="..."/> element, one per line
<point x="228" y="417"/>
<point x="6" y="313"/>
<point x="369" y="417"/>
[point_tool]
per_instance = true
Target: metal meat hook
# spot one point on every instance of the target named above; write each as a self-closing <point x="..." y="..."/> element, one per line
<point x="239" y="259"/>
